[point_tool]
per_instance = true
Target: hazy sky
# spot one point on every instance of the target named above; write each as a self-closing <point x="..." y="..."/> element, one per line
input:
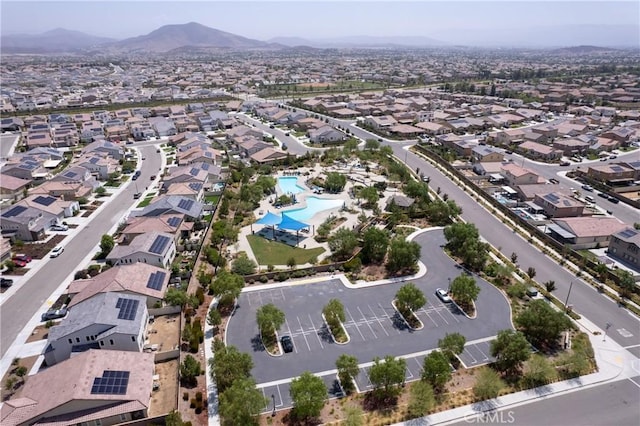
<point x="310" y="19"/>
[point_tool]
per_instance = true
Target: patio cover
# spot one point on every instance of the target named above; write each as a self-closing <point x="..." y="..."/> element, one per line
<point x="291" y="223"/>
<point x="269" y="219"/>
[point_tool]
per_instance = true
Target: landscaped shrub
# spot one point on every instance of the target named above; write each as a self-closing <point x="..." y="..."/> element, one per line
<point x="192" y="403"/>
<point x="263" y="279"/>
<point x="185" y="396"/>
<point x="200" y="295"/>
<point x="199" y="396"/>
<point x="282" y="276"/>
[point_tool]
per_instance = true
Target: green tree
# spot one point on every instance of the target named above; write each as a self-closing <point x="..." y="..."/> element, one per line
<point x="452" y="344"/>
<point x="409" y="297"/>
<point x="174" y="418"/>
<point x="538" y="371"/>
<point x="627" y="284"/>
<point x="442" y="212"/>
<point x="463" y="240"/>
<point x="175" y="297"/>
<point x="335" y="182"/>
<point x="189" y="370"/>
<point x="371" y="145"/>
<point x="421" y="399"/>
<point x="242" y="265"/>
<point x="417" y="190"/>
<point x="464" y="289"/>
<point x="227" y="287"/>
<point x="436" y="370"/>
<point x="308" y="393"/>
<point x="402" y="255"/>
<point x="334" y="313"/>
<point x="387" y="376"/>
<point x="511" y="349"/>
<point x="241" y="403"/>
<point x="343" y="242"/>
<point x="291" y="262"/>
<point x="370" y="195"/>
<point x="541" y="324"/>
<point x="229" y="365"/>
<point x="214" y="319"/>
<point x="106" y="244"/>
<point x="550" y="286"/>
<point x="488" y="384"/>
<point x="374" y="246"/>
<point x="269" y="319"/>
<point x="348" y="369"/>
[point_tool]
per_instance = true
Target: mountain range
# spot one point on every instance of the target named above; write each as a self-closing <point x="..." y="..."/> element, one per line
<point x="194" y="37"/>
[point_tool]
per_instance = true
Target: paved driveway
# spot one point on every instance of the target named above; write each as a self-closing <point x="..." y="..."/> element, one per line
<point x="372" y="323"/>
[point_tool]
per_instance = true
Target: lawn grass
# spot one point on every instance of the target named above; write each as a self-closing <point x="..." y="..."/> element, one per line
<point x="213" y="199"/>
<point x="275" y="253"/>
<point x="145" y="202"/>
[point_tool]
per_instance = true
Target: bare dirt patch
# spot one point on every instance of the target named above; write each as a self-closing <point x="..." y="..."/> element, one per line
<point x="164" y="399"/>
<point x="13" y="391"/>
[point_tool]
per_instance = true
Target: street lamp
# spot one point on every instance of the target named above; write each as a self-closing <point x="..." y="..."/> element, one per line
<point x="567" y="300"/>
<point x="604" y="338"/>
<point x="449" y="288"/>
<point x="273" y="413"/>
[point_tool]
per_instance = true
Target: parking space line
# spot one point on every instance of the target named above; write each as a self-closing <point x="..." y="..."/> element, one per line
<point x="486" y="358"/>
<point x="417" y="362"/>
<point x="279" y="396"/>
<point x="315" y="331"/>
<point x="438" y="312"/>
<point x="354" y="323"/>
<point x="378" y="319"/>
<point x="388" y="318"/>
<point x="466" y="350"/>
<point x="295" y="347"/>
<point x="282" y="293"/>
<point x="303" y="333"/>
<point x="427" y="313"/>
<point x="367" y="322"/>
<point x="451" y="313"/>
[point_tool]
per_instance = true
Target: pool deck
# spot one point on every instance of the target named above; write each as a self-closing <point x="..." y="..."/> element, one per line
<point x="306" y="240"/>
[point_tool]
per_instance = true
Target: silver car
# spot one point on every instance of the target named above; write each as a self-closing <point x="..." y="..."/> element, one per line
<point x="443" y="295"/>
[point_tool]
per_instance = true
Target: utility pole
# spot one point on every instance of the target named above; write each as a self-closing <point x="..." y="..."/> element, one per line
<point x="568" y="294"/>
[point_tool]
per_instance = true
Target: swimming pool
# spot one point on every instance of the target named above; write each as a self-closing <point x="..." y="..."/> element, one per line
<point x="289" y="185"/>
<point x="314" y="205"/>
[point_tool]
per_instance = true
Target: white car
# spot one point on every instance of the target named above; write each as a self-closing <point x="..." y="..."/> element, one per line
<point x="443" y="295"/>
<point x="56" y="251"/>
<point x="59" y="228"/>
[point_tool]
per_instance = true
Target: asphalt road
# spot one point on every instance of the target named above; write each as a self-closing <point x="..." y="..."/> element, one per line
<point x="371" y="320"/>
<point x="585" y="299"/>
<point x="611" y="404"/>
<point x="29" y="298"/>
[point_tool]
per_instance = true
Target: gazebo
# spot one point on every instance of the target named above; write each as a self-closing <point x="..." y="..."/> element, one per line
<point x="270" y="219"/>
<point x="283" y="222"/>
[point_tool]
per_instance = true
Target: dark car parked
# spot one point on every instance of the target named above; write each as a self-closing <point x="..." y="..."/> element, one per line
<point x="54" y="314"/>
<point x="6" y="282"/>
<point x="287" y="344"/>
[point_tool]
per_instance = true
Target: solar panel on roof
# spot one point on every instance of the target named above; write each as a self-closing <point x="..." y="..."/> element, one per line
<point x="70" y="174"/>
<point x="45" y="201"/>
<point x="155" y="280"/>
<point x="112" y="382"/>
<point x="552" y="197"/>
<point x="14" y="211"/>
<point x="628" y="233"/>
<point x="128" y="308"/>
<point x="173" y="221"/>
<point x="159" y="244"/>
<point x="195" y="186"/>
<point x="205" y="166"/>
<point x="94" y="160"/>
<point x="193" y="172"/>
<point x="185" y="204"/>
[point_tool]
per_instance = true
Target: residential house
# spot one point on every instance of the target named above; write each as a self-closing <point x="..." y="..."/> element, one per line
<point x="98" y="387"/>
<point x="154" y="248"/>
<point x="556" y="204"/>
<point x="173" y="204"/>
<point x="571" y="146"/>
<point x="613" y="174"/>
<point x="99" y="164"/>
<point x="326" y="134"/>
<point x="510" y="137"/>
<point x="192" y="190"/>
<point x="163" y="126"/>
<point x="486" y="154"/>
<point x="538" y="150"/>
<point x="383" y="122"/>
<point x="268" y="155"/>
<point x="516" y="175"/>
<point x="25" y="223"/>
<point x="585" y="232"/>
<point x="13" y="188"/>
<point x="91" y="130"/>
<point x="173" y="224"/>
<point x="106" y="320"/>
<point x="624" y="246"/>
<point x="111" y="149"/>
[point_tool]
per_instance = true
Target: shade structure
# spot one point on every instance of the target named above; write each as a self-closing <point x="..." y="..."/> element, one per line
<point x="292" y="224"/>
<point x="269" y="219"/>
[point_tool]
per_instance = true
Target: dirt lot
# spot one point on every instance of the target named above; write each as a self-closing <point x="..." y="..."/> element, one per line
<point x="8" y="393"/>
<point x="164" y="332"/>
<point x="164" y="399"/>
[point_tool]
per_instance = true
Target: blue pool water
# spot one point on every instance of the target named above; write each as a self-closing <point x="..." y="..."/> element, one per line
<point x="288" y="185"/>
<point x="314" y="205"/>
